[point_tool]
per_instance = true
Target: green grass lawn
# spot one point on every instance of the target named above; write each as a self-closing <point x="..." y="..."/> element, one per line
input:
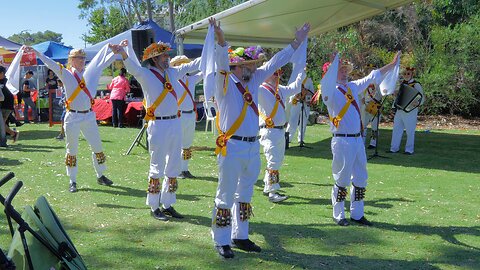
<point x="425" y="207"/>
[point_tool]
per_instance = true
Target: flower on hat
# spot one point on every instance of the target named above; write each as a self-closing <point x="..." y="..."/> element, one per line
<point x="241" y="55"/>
<point x="155" y="49"/>
<point x="325" y="67"/>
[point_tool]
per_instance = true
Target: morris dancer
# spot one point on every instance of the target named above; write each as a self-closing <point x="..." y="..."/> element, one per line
<point x="372" y="101"/>
<point x="160" y="84"/>
<point x="298" y="102"/>
<point x="80" y="90"/>
<point x="238" y="150"/>
<point x="188" y="109"/>
<point x="406" y="120"/>
<point x="271" y="106"/>
<point x="349" y="159"/>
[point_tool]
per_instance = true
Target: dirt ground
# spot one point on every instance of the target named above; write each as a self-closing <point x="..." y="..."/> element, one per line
<point x="444" y="122"/>
<point x="430" y="122"/>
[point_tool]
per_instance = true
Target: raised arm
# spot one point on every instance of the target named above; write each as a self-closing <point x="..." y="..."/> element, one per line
<point x="282" y="57"/>
<point x="196" y="78"/>
<point x="182" y="70"/>
<point x="129" y="58"/>
<point x="54" y="66"/>
<point x="296" y="86"/>
<point x="101" y="60"/>
<point x="221" y="59"/>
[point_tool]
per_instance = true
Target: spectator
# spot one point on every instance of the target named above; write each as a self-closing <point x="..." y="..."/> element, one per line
<point x="51" y="81"/>
<point x="6" y="109"/>
<point x="61" y="102"/>
<point x="120" y="87"/>
<point x="28" y="87"/>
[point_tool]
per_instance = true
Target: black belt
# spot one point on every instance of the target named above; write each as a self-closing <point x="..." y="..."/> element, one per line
<point x="75" y="111"/>
<point x="166" y="117"/>
<point x="245" y="139"/>
<point x="276" y="127"/>
<point x="346" y="135"/>
<point x="191" y="111"/>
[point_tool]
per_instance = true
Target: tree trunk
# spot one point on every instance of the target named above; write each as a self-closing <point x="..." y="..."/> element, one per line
<point x="149" y="9"/>
<point x="135" y="8"/>
<point x="172" y="18"/>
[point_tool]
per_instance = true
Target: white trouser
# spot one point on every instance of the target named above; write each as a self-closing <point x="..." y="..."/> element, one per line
<point x="273" y="142"/>
<point x="165" y="142"/>
<point x="86" y="123"/>
<point x="188" y="130"/>
<point x="295" y="111"/>
<point x="371" y="119"/>
<point x="349" y="165"/>
<point x="237" y="174"/>
<point x="303" y="129"/>
<point x="407" y="121"/>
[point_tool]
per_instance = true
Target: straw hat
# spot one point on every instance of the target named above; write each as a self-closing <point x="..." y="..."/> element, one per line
<point x="242" y="56"/>
<point x="77" y="53"/>
<point x="347" y="64"/>
<point x="179" y="60"/>
<point x="156" y="49"/>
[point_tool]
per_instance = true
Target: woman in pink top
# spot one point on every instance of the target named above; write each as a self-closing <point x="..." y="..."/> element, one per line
<point x="120" y="87"/>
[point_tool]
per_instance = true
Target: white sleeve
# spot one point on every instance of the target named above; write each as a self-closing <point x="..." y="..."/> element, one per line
<point x="221" y="59"/>
<point x="277" y="61"/>
<point x="296" y="86"/>
<point x="182" y="70"/>
<point x="54" y="66"/>
<point x="374" y="77"/>
<point x="420" y="89"/>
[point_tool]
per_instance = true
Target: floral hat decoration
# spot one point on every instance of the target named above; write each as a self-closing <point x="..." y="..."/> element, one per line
<point x="241" y="56"/>
<point x="156" y="49"/>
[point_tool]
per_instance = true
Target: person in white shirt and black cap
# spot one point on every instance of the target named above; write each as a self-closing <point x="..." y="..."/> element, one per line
<point x="236" y="92"/>
<point x="349" y="164"/>
<point x="160" y="88"/>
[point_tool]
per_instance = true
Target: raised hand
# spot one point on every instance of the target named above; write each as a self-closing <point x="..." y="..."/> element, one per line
<point x="124" y="43"/>
<point x="218" y="31"/>
<point x="302" y="33"/>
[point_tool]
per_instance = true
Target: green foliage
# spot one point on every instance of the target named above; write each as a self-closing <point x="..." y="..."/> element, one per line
<point x="28" y="38"/>
<point x="453" y="70"/>
<point x="105" y="23"/>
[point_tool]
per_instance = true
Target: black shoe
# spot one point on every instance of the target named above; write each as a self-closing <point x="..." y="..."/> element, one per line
<point x="371" y="147"/>
<point x="391" y="152"/>
<point x="103" y="180"/>
<point x="18" y="124"/>
<point x="245" y="244"/>
<point x="408" y="153"/>
<point x="182" y="175"/>
<point x="188" y="174"/>
<point x="341" y="222"/>
<point x="73" y="187"/>
<point x="157" y="214"/>
<point x="171" y="212"/>
<point x="265" y="194"/>
<point x="362" y="221"/>
<point x="225" y="251"/>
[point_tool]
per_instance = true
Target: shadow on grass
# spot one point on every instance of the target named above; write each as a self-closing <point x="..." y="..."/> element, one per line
<point x="26" y="135"/>
<point x="32" y="148"/>
<point x="433" y="150"/>
<point x="9" y="162"/>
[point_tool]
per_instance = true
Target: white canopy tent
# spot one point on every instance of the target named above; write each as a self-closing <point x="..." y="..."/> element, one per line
<point x="271" y="23"/>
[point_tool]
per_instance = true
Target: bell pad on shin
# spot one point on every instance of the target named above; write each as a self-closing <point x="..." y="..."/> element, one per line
<point x="154" y="186"/>
<point x="273" y="176"/>
<point x="246" y="211"/>
<point x="100" y="157"/>
<point x="186" y="154"/>
<point x="71" y="161"/>
<point x="223" y="217"/>
<point x="172" y="184"/>
<point x="359" y="193"/>
<point x="341" y="194"/>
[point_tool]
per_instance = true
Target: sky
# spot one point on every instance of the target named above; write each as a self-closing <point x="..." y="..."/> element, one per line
<point x="60" y="16"/>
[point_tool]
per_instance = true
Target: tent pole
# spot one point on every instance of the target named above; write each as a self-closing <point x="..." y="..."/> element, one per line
<point x="180" y="45"/>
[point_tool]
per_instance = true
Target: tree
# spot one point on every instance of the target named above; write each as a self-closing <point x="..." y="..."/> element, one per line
<point x="105" y="23"/>
<point x="28" y="38"/>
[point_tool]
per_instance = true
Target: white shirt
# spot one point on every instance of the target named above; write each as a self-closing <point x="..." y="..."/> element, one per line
<point x="335" y="100"/>
<point x="152" y="86"/>
<point x="230" y="104"/>
<point x="267" y="100"/>
<point x="91" y="73"/>
<point x="187" y="104"/>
